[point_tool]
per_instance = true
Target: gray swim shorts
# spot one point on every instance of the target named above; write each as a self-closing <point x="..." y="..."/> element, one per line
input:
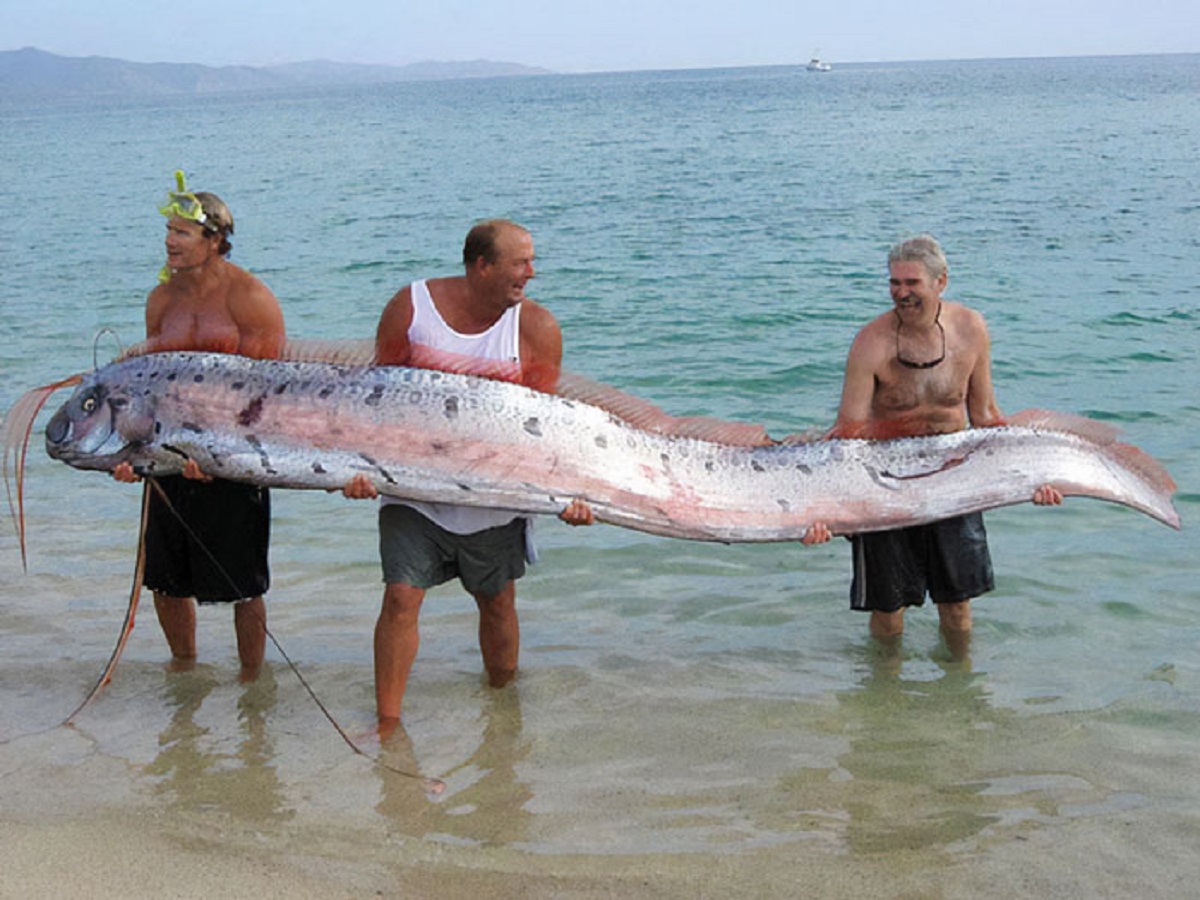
<point x="419" y="552"/>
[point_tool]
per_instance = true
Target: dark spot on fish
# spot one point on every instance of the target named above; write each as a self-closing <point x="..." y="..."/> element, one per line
<point x="252" y="413"/>
<point x="804" y="467"/>
<point x="784" y="505"/>
<point x="437" y="446"/>
<point x="534" y="427"/>
<point x="465" y="487"/>
<point x="325" y="391"/>
<point x="756" y="466"/>
<point x="601" y="442"/>
<point x="710" y="466"/>
<point x="237" y="385"/>
<point x="375" y="396"/>
<point x="157" y="427"/>
<point x="191" y="426"/>
<point x="280" y="388"/>
<point x="198" y="377"/>
<point x="451" y="408"/>
<point x="318" y="468"/>
<point x="172" y="376"/>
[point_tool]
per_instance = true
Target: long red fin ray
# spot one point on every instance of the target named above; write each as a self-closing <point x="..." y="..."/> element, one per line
<point x="14" y="437"/>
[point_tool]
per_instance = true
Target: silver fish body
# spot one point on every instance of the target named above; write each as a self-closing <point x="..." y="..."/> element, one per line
<point x="428" y="435"/>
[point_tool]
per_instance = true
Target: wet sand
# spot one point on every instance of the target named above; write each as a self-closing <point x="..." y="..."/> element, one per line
<point x="189" y="785"/>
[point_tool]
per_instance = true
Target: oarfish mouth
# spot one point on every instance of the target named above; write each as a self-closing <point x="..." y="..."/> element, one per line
<point x="85" y="430"/>
<point x="68" y="439"/>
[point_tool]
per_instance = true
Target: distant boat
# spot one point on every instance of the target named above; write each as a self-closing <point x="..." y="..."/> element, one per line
<point x="816" y="65"/>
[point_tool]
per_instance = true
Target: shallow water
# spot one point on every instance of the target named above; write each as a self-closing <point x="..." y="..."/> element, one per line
<point x="689" y="717"/>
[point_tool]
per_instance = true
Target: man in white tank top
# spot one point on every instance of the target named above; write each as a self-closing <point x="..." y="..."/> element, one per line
<point x="481" y="315"/>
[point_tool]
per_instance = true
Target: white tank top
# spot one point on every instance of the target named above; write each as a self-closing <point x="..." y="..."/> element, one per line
<point x="503" y="342"/>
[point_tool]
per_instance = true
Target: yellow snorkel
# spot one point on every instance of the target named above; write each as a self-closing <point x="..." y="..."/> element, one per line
<point x="181" y="202"/>
<point x="184" y="204"/>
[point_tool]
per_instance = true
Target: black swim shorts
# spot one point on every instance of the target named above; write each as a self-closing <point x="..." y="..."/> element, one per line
<point x="948" y="559"/>
<point x="215" y="549"/>
<point x="418" y="551"/>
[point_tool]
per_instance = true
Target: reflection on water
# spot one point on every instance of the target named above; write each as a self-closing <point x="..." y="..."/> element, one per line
<point x="195" y="771"/>
<point x="914" y="754"/>
<point x="491" y="806"/>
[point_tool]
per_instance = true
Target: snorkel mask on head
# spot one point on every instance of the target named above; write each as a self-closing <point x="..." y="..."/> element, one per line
<point x="184" y="204"/>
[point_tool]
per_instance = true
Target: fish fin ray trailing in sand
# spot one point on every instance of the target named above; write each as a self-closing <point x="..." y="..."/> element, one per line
<point x="14" y="438"/>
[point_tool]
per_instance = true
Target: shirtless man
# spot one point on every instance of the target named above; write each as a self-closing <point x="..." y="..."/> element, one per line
<point x="218" y="553"/>
<point x="924" y="367"/>
<point x="480" y="315"/>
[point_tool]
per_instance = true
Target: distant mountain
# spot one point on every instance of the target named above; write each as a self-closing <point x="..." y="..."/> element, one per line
<point x="36" y="73"/>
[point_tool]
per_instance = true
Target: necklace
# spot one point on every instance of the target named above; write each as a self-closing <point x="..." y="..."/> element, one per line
<point x="908" y="363"/>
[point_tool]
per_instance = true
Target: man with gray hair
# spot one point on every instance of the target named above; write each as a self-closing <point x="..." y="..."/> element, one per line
<point x="921" y="368"/>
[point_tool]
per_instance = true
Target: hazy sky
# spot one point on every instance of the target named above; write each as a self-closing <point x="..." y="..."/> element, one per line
<point x="597" y="35"/>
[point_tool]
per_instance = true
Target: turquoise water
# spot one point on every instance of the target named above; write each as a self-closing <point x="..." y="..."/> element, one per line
<point x="709" y="240"/>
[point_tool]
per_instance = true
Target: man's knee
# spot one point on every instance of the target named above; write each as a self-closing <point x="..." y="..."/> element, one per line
<point x="500" y="604"/>
<point x="887" y="625"/>
<point x="955" y="616"/>
<point x="401" y="602"/>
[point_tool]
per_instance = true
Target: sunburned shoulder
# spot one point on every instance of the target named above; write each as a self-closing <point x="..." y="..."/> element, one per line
<point x="533" y="314"/>
<point x="964" y="318"/>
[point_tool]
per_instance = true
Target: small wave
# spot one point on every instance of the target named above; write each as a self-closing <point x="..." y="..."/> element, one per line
<point x="1124" y="416"/>
<point x="1136" y="320"/>
<point x="363" y="266"/>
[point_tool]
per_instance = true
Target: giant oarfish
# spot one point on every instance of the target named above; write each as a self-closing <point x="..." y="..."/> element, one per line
<point x="429" y="435"/>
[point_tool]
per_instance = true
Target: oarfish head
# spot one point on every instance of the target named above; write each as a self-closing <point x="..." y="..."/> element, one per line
<point x="100" y="425"/>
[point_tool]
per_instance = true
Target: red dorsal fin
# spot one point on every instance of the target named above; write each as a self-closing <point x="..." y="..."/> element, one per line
<point x="648" y="417"/>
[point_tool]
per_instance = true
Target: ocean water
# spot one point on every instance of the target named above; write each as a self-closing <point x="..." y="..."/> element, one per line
<point x="701" y="718"/>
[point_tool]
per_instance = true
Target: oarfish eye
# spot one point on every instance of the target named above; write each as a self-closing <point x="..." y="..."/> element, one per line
<point x="89" y="403"/>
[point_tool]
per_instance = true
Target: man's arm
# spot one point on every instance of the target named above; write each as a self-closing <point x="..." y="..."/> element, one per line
<point x="259" y="321"/>
<point x="392" y="346"/>
<point x="858" y="389"/>
<point x="984" y="412"/>
<point x="541" y="348"/>
<point x="541" y="364"/>
<point x="982" y="409"/>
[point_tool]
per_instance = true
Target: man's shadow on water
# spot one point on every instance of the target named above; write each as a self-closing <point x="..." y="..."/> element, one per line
<point x="196" y="775"/>
<point x="491" y="809"/>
